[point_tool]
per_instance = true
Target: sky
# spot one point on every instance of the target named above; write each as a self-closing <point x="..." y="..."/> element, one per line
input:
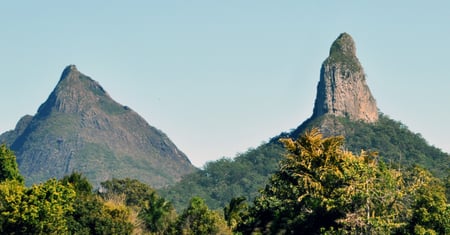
<point x="221" y="77"/>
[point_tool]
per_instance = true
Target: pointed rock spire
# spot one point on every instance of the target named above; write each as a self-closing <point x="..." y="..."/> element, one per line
<point x="342" y="89"/>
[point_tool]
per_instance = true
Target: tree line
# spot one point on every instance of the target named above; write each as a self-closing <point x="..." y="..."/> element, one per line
<point x="318" y="188"/>
<point x="221" y="180"/>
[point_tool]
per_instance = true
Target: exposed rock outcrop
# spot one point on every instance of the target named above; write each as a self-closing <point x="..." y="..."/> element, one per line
<point x="342" y="89"/>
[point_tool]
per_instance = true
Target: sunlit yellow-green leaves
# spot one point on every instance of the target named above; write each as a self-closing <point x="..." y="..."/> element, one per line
<point x="322" y="188"/>
<point x="8" y="165"/>
<point x="41" y="209"/>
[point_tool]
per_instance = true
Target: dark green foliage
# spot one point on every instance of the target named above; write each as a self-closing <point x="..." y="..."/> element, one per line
<point x="92" y="215"/>
<point x="158" y="214"/>
<point x="342" y="53"/>
<point x="199" y="220"/>
<point x="236" y="212"/>
<point x="79" y="183"/>
<point x="8" y="165"/>
<point x="397" y="145"/>
<point x="225" y="179"/>
<point x="135" y="191"/>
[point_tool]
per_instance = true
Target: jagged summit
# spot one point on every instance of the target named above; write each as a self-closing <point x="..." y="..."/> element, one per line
<point x="342" y="89"/>
<point x="76" y="93"/>
<point x="70" y="70"/>
<point x="81" y="128"/>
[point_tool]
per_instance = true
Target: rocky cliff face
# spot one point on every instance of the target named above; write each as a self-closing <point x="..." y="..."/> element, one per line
<point x="81" y="128"/>
<point x="342" y="89"/>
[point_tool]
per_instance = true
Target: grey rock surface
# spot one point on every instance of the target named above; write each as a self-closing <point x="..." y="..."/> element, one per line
<point x="342" y="89"/>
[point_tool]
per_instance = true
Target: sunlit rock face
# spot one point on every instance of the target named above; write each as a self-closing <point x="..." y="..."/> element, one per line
<point x="342" y="89"/>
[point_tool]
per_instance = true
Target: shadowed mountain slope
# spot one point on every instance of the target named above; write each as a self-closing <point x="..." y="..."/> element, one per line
<point x="81" y="128"/>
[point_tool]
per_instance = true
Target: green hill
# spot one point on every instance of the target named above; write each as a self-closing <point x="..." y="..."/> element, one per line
<point x="394" y="142"/>
<point x="244" y="175"/>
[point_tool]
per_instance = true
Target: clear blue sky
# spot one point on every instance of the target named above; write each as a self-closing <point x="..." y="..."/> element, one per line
<point x="219" y="77"/>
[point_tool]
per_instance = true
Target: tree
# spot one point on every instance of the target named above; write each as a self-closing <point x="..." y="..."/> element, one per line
<point x="93" y="214"/>
<point x="373" y="198"/>
<point x="157" y="213"/>
<point x="80" y="183"/>
<point x="447" y="186"/>
<point x="116" y="217"/>
<point x="304" y="193"/>
<point x="428" y="204"/>
<point x="235" y="212"/>
<point x="9" y="169"/>
<point x="41" y="209"/>
<point x="199" y="220"/>
<point x="135" y="192"/>
<point x="320" y="188"/>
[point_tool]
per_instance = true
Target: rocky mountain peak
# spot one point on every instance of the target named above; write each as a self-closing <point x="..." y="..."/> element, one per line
<point x="342" y="89"/>
<point x="81" y="128"/>
<point x="74" y="93"/>
<point x="69" y="71"/>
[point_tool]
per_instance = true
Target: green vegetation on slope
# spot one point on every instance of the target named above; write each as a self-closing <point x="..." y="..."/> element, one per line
<point x="394" y="142"/>
<point x="222" y="180"/>
<point x="342" y="53"/>
<point x="397" y="144"/>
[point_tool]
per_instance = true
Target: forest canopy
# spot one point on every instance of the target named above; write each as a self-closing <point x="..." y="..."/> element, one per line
<point x="319" y="187"/>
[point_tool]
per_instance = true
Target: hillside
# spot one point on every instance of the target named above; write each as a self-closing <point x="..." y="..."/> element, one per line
<point x="224" y="179"/>
<point x="394" y="142"/>
<point x="81" y="128"/>
<point x="244" y="175"/>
